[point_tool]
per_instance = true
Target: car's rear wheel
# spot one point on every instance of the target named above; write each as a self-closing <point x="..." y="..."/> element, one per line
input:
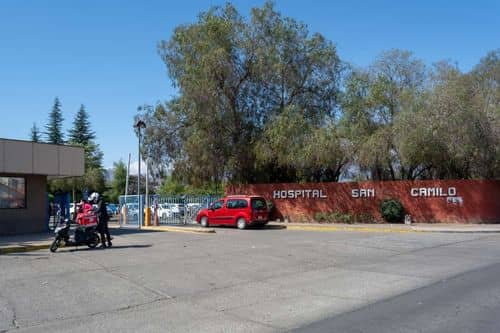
<point x="241" y="223"/>
<point x="204" y="221"/>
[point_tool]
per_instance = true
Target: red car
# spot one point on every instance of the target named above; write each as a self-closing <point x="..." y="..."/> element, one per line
<point x="235" y="210"/>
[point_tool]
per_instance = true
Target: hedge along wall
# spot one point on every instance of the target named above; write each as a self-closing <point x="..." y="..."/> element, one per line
<point x="448" y="201"/>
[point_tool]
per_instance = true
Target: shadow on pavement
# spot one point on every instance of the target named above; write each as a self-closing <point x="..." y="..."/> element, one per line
<point x="274" y="227"/>
<point x="35" y="255"/>
<point x="124" y="231"/>
<point x="135" y="246"/>
<point x="264" y="227"/>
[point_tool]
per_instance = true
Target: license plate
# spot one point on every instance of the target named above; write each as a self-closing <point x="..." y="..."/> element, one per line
<point x="260" y="217"/>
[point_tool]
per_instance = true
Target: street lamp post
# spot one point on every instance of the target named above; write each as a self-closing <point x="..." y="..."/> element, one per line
<point x="139" y="125"/>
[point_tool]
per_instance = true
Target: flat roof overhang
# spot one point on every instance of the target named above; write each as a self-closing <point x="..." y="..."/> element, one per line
<point x="29" y="158"/>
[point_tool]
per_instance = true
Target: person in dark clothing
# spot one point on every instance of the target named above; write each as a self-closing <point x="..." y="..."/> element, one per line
<point x="102" y="219"/>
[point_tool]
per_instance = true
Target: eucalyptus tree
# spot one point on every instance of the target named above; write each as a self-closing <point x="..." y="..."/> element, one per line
<point x="464" y="113"/>
<point x="234" y="77"/>
<point x="262" y="99"/>
<point x="374" y="102"/>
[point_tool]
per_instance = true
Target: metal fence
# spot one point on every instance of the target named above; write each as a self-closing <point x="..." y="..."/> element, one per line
<point x="178" y="209"/>
<point x="165" y="210"/>
<point x="130" y="208"/>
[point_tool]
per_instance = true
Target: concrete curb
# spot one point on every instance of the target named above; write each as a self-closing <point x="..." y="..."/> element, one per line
<point x="23" y="248"/>
<point x="8" y="249"/>
<point x="191" y="230"/>
<point x="347" y="228"/>
<point x="385" y="229"/>
<point x="449" y="231"/>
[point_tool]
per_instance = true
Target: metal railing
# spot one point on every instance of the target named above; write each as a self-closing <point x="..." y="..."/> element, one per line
<point x="164" y="210"/>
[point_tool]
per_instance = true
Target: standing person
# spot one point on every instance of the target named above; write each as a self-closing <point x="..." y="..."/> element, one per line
<point x="103" y="218"/>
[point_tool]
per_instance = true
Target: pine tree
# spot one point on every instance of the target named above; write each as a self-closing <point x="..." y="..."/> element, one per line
<point x="81" y="133"/>
<point x="35" y="133"/>
<point x="54" y="127"/>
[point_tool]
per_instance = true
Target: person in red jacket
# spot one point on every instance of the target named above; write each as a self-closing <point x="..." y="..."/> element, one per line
<point x="84" y="209"/>
<point x="87" y="207"/>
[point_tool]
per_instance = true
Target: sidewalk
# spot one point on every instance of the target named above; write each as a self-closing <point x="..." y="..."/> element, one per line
<point x="26" y="242"/>
<point x="41" y="241"/>
<point x="382" y="227"/>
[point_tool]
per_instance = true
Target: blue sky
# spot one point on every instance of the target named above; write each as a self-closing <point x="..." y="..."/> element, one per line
<point x="103" y="53"/>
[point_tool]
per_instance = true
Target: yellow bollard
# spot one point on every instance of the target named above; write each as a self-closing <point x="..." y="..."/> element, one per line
<point x="147" y="216"/>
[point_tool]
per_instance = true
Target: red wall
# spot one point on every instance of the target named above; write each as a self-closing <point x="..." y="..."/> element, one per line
<point x="480" y="199"/>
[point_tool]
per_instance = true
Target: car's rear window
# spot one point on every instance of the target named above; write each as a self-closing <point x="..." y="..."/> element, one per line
<point x="258" y="203"/>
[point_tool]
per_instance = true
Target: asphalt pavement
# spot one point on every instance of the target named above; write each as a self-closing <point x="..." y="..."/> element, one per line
<point x="469" y="302"/>
<point x="270" y="280"/>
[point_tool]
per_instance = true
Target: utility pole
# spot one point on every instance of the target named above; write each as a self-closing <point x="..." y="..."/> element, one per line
<point x="139" y="125"/>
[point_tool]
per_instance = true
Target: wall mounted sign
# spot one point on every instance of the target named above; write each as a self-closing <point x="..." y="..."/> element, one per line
<point x="363" y="193"/>
<point x="295" y="194"/>
<point x="433" y="192"/>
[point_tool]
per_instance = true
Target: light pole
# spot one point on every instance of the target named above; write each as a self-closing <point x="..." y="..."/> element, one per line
<point x="139" y="125"/>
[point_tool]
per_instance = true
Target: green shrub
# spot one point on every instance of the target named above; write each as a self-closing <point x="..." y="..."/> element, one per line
<point x="321" y="217"/>
<point x="339" y="217"/>
<point x="345" y="218"/>
<point x="392" y="210"/>
<point x="363" y="218"/>
<point x="333" y="217"/>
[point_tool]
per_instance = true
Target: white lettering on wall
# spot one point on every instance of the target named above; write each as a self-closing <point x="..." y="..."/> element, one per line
<point x="363" y="193"/>
<point x="457" y="201"/>
<point x="296" y="194"/>
<point x="429" y="192"/>
<point x="452" y="191"/>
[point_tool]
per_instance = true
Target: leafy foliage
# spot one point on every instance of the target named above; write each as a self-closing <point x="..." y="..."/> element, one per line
<point x="82" y="135"/>
<point x="407" y="122"/>
<point x="118" y="183"/>
<point x="341" y="217"/>
<point x="392" y="210"/>
<point x="173" y="187"/>
<point x="261" y="99"/>
<point x="236" y="77"/>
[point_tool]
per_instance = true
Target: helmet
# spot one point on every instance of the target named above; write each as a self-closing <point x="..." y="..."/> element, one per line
<point x="94" y="197"/>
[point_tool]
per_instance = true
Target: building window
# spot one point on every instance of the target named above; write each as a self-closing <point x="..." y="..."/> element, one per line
<point x="12" y="192"/>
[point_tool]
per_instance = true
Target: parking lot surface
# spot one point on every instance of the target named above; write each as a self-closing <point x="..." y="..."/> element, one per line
<point x="230" y="281"/>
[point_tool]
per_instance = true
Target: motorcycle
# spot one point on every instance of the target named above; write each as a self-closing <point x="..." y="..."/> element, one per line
<point x="82" y="234"/>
